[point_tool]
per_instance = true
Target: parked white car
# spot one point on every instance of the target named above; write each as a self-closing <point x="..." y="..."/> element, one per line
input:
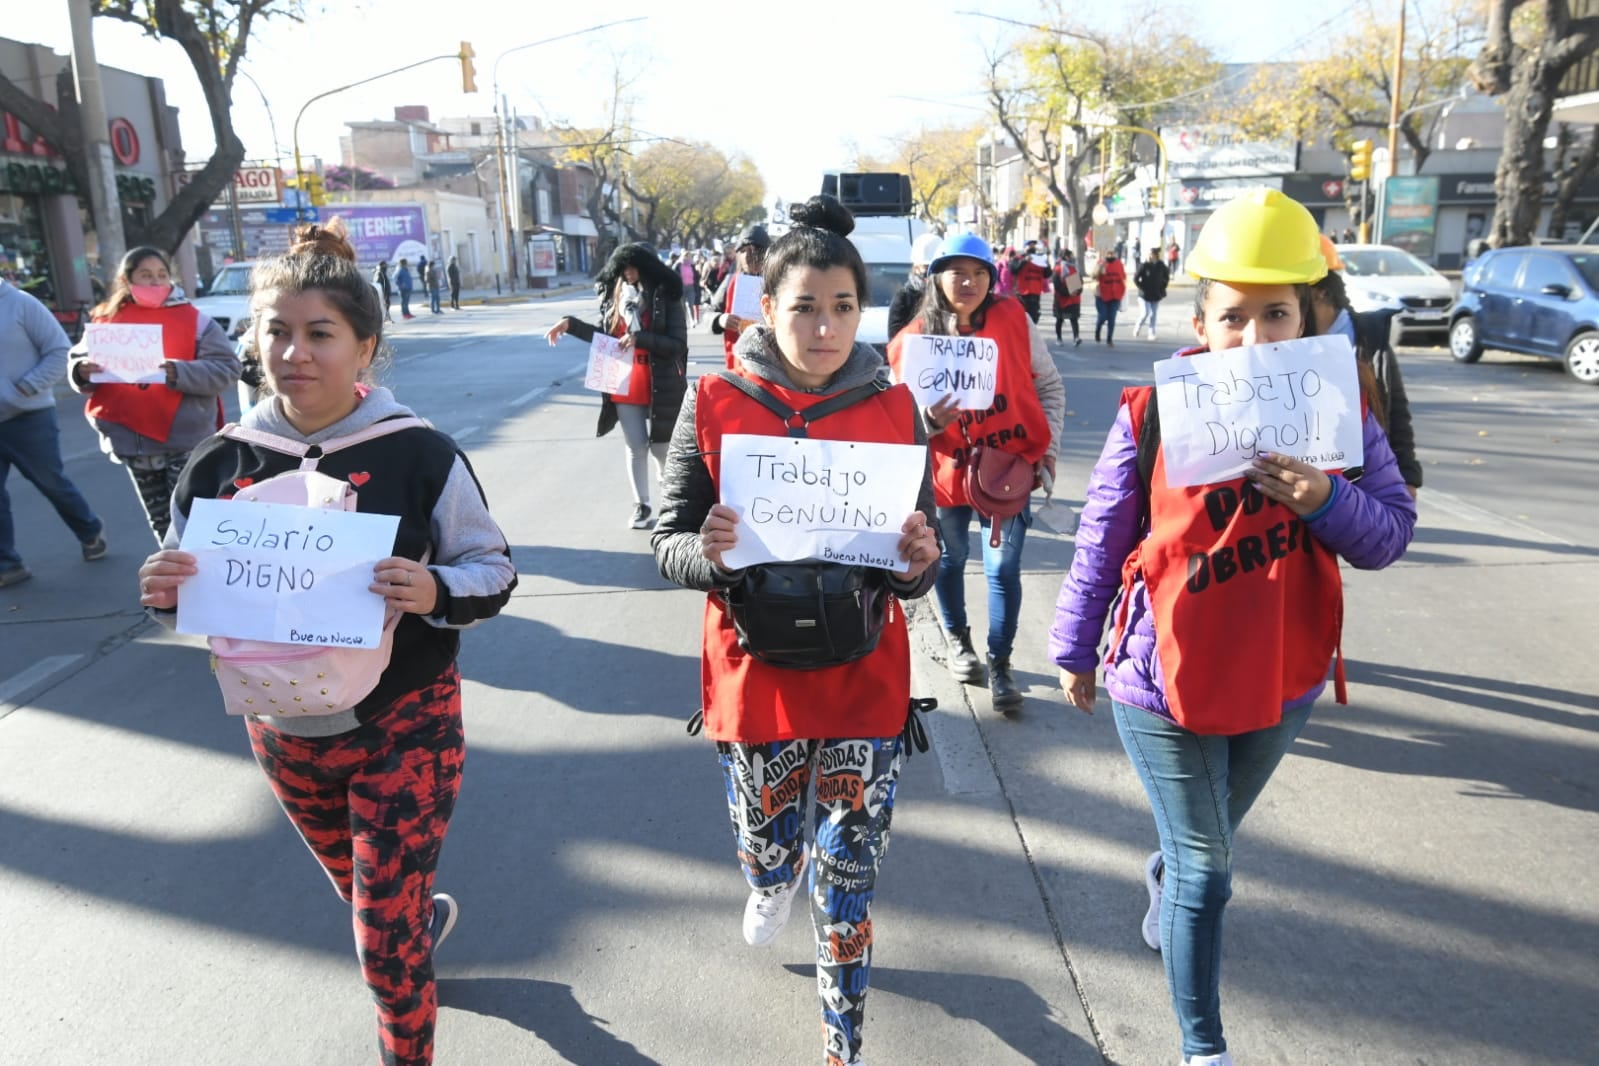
<point x="226" y="301"/>
<point x="1379" y="276"/>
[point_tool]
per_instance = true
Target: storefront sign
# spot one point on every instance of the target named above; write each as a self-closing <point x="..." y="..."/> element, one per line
<point x="1410" y="215"/>
<point x="1195" y="194"/>
<point x="1479" y="189"/>
<point x="124" y="142"/>
<point x="36" y="179"/>
<point x="389" y="232"/>
<point x="251" y="185"/>
<point x="1218" y="151"/>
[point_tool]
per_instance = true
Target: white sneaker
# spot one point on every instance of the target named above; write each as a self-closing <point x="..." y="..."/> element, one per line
<point x="765" y="916"/>
<point x="1224" y="1059"/>
<point x="1154" y="871"/>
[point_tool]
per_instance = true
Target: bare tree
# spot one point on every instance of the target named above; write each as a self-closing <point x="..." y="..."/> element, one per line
<point x="213" y="35"/>
<point x="1531" y="45"/>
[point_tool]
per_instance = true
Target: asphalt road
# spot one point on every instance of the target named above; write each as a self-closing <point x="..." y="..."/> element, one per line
<point x="1417" y="884"/>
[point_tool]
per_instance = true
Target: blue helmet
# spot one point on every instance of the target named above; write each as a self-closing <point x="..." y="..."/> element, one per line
<point x="962" y="245"/>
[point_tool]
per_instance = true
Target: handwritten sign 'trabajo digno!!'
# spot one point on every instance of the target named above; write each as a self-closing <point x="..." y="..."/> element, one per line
<point x="1219" y="410"/>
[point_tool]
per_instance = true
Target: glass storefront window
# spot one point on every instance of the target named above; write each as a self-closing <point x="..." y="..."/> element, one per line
<point x="24" y="260"/>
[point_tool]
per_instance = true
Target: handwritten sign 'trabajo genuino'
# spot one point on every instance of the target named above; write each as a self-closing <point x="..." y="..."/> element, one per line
<point x="804" y="498"/>
<point x="128" y="353"/>
<point x="934" y="367"/>
<point x="292" y="575"/>
<point x="1219" y="410"/>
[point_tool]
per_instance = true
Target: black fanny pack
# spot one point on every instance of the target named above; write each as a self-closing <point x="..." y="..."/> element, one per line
<point x="811" y="614"/>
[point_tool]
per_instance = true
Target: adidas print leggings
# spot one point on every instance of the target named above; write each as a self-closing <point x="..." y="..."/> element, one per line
<point x="768" y="788"/>
<point x="155" y="478"/>
<point x="373" y="805"/>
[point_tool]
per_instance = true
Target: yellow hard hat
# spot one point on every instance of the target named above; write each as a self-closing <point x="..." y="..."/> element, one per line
<point x="1262" y="237"/>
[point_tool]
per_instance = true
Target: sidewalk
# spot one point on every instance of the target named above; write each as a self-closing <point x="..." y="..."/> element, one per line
<point x="559" y="286"/>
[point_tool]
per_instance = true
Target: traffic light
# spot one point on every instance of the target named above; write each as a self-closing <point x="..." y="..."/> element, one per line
<point x="468" y="71"/>
<point x="1360" y="161"/>
<point x="315" y="191"/>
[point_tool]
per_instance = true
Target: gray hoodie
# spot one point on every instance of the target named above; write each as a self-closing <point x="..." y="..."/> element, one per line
<point x="33" y="353"/>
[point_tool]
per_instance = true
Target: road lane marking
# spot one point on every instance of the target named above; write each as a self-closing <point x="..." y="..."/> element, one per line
<point x="461" y="434"/>
<point x="531" y="395"/>
<point x="18" y="685"/>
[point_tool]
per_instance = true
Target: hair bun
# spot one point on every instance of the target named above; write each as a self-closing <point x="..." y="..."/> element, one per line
<point x="317" y="239"/>
<point x="823" y="212"/>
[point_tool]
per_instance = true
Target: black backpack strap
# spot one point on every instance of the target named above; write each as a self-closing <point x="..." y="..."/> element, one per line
<point x="821" y="409"/>
<point x="1148" y="443"/>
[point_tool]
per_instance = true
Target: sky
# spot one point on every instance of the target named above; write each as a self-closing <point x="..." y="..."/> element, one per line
<point x="791" y="86"/>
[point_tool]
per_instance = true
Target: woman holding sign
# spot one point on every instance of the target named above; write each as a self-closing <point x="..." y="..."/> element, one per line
<point x="149" y="423"/>
<point x="1227" y="600"/>
<point x="370" y="786"/>
<point x="641" y="304"/>
<point x="833" y="712"/>
<point x="1016" y="434"/>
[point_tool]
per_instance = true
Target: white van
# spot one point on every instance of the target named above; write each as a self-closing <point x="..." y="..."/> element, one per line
<point x="884" y="232"/>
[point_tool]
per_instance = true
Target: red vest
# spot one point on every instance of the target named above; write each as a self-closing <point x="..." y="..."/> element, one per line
<point x="1248" y="605"/>
<point x="1016" y="421"/>
<point x="149" y="410"/>
<point x="749" y="701"/>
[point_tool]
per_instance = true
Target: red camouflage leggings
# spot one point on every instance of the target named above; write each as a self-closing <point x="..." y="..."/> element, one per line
<point x="373" y="805"/>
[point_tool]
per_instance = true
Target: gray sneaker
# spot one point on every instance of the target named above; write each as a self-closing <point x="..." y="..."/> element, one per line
<point x="14" y="576"/>
<point x="445" y="912"/>
<point x="96" y="548"/>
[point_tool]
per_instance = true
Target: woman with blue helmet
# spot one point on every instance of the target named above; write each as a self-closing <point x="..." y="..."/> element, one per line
<point x="1025" y="419"/>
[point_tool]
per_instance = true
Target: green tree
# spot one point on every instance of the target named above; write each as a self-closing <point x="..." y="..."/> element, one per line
<point x="1346" y="90"/>
<point x="1531" y="44"/>
<point x="1063" y="87"/>
<point x="213" y="35"/>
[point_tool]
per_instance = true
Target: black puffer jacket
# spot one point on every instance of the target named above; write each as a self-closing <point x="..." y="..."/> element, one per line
<point x="666" y="338"/>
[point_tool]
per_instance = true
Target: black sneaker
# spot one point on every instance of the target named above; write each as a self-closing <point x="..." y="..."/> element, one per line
<point x="445" y="912"/>
<point x="16" y="575"/>
<point x="641" y="517"/>
<point x="963" y="660"/>
<point x="96" y="548"/>
<point x="1001" y="686"/>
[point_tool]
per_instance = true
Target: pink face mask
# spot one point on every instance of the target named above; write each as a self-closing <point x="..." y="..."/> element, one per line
<point x="150" y="295"/>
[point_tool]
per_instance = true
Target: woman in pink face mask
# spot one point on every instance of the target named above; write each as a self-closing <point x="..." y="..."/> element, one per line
<point x="171" y="365"/>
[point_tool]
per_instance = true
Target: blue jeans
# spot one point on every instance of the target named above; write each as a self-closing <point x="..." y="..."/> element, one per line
<point x="32" y="443"/>
<point x="1106" y="321"/>
<point x="1002" y="566"/>
<point x="433" y="299"/>
<point x="1200" y="788"/>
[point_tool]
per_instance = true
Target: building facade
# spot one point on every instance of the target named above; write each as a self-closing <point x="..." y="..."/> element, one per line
<point x="47" y="240"/>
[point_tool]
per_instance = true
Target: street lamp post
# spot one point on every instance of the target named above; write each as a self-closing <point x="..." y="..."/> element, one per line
<point x="507" y="177"/>
<point x="299" y="169"/>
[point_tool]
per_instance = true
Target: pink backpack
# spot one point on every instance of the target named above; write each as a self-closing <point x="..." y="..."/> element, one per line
<point x="263" y="677"/>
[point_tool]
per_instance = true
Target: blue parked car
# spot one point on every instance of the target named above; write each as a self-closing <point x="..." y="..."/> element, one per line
<point x="1542" y="300"/>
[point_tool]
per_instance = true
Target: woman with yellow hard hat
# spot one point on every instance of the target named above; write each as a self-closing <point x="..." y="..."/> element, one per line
<point x="1228" y="601"/>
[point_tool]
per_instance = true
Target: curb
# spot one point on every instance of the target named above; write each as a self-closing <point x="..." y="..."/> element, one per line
<point x="525" y="296"/>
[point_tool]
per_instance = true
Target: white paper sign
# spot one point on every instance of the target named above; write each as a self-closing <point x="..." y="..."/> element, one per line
<point x="964" y="367"/>
<point x="747" y="290"/>
<point x="1219" y="410"/>
<point x="802" y="498"/>
<point x="128" y="353"/>
<point x="294" y="575"/>
<point x="610" y="365"/>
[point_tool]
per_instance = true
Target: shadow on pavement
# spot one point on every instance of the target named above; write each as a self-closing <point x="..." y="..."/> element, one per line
<point x="1466" y="538"/>
<point x="1009" y="1009"/>
<point x="634" y="571"/>
<point x="548" y="1010"/>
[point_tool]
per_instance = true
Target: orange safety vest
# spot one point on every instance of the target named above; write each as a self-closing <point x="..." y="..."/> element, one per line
<point x="1016" y="421"/>
<point x="149" y="409"/>
<point x="752" y="702"/>
<point x="1248" y="605"/>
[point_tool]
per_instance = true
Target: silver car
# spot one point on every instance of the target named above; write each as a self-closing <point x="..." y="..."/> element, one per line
<point x="1380" y="276"/>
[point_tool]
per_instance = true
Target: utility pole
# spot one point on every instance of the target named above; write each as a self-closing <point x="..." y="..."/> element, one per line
<point x="1393" y="118"/>
<point x="104" y="203"/>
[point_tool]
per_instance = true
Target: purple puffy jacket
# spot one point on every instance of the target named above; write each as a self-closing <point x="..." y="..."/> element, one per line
<point x="1369" y="523"/>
